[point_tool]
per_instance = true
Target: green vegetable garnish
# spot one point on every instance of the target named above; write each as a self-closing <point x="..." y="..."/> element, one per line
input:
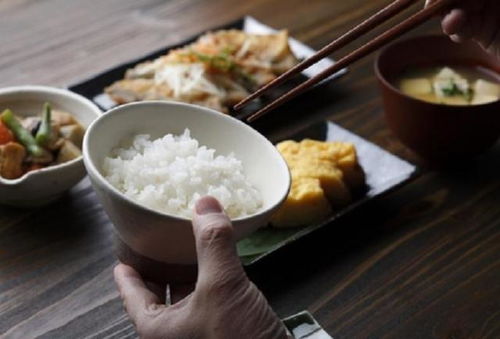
<point x="45" y="130"/>
<point x="452" y="89"/>
<point x="224" y="63"/>
<point x="22" y="134"/>
<point x="219" y="61"/>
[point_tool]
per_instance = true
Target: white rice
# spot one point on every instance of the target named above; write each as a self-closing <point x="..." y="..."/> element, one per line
<point x="171" y="173"/>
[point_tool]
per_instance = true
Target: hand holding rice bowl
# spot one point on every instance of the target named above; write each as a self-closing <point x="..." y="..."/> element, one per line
<point x="171" y="173"/>
<point x="163" y="236"/>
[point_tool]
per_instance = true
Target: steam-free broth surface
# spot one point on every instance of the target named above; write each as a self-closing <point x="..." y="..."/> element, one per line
<point x="451" y="85"/>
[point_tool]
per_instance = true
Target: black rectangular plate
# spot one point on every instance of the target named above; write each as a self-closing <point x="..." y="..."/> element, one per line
<point x="93" y="88"/>
<point x="384" y="173"/>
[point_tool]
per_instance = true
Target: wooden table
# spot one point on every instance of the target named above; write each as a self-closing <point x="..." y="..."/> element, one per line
<point x="424" y="262"/>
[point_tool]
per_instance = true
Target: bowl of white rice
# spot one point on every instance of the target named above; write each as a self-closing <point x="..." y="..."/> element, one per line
<point x="149" y="162"/>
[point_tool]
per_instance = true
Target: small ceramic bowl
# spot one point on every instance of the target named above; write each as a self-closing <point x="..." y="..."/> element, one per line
<point x="167" y="238"/>
<point x="47" y="184"/>
<point x="438" y="133"/>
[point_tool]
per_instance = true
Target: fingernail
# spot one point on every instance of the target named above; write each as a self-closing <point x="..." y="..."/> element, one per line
<point x="208" y="205"/>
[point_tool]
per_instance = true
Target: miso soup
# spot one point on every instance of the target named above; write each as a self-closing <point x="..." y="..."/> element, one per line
<point x="456" y="85"/>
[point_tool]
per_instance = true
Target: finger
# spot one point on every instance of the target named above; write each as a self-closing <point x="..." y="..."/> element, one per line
<point x="454" y="22"/>
<point x="457" y="38"/>
<point x="137" y="298"/>
<point x="215" y="243"/>
<point x="428" y="2"/>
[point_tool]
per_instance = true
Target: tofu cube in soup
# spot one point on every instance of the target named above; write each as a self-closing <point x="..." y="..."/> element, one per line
<point x="416" y="86"/>
<point x="458" y="86"/>
<point x="485" y="92"/>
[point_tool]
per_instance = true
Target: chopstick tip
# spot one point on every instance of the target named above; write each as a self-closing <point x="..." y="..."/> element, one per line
<point x="244" y="102"/>
<point x="251" y="118"/>
<point x="238" y="106"/>
<point x="259" y="113"/>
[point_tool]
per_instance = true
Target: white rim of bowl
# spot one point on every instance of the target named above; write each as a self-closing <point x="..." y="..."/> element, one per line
<point x="91" y="167"/>
<point x="48" y="90"/>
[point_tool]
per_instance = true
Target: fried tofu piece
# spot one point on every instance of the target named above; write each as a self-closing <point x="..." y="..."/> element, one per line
<point x="73" y="133"/>
<point x="12" y="155"/>
<point x="62" y="118"/>
<point x="68" y="152"/>
<point x="306" y="203"/>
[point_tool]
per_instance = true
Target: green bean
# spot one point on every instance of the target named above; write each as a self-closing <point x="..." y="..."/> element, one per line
<point x="22" y="134"/>
<point x="44" y="132"/>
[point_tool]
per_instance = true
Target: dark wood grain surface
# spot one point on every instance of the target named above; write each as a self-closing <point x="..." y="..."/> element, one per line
<point x="424" y="262"/>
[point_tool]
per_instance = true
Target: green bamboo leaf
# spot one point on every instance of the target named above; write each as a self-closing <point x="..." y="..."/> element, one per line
<point x="264" y="240"/>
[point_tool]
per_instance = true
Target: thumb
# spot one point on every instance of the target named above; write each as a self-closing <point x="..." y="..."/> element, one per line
<point x="215" y="243"/>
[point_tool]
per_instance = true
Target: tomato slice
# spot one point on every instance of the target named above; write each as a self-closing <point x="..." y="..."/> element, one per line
<point x="6" y="135"/>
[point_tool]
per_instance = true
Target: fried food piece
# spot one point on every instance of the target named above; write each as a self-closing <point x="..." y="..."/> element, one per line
<point x="130" y="90"/>
<point x="12" y="155"/>
<point x="204" y="94"/>
<point x="21" y="134"/>
<point x="262" y="56"/>
<point x="305" y="203"/>
<point x="73" y="133"/>
<point x="233" y="92"/>
<point x="68" y="152"/>
<point x="63" y="118"/>
<point x="218" y="70"/>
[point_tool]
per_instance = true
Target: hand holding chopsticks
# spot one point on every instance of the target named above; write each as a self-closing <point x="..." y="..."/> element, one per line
<point x="386" y="37"/>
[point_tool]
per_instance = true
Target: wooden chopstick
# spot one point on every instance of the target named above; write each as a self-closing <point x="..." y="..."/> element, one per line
<point x="381" y="16"/>
<point x="386" y="37"/>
